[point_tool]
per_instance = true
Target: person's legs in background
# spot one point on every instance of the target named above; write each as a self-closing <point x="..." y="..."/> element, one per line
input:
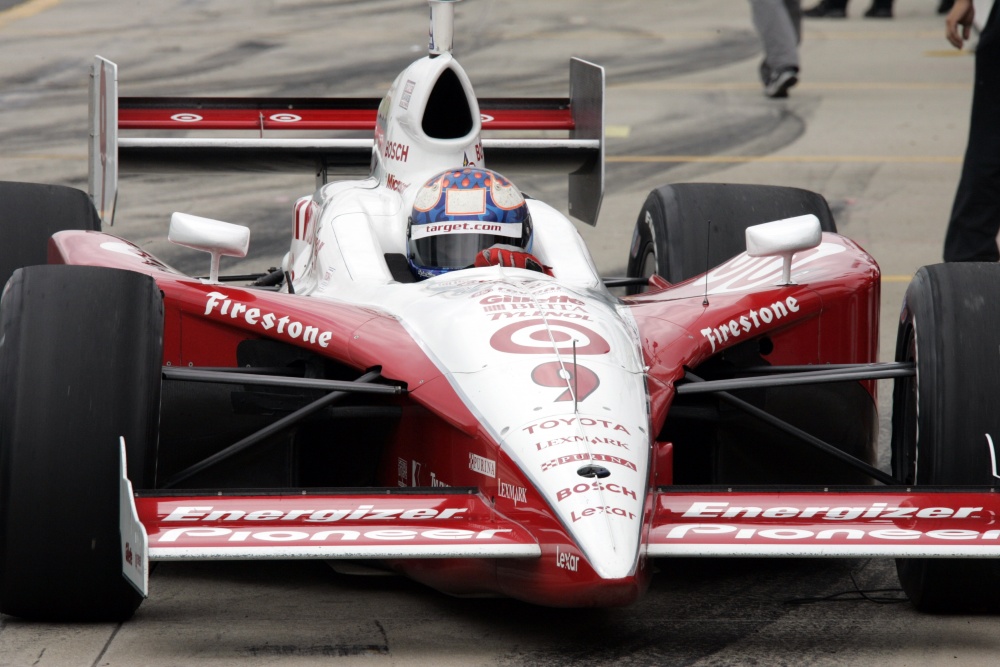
<point x="837" y="9"/>
<point x="975" y="215"/>
<point x="880" y="9"/>
<point x="779" y="24"/>
<point x="829" y="9"/>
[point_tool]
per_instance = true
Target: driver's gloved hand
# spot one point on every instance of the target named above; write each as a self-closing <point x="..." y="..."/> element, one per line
<point x="512" y="256"/>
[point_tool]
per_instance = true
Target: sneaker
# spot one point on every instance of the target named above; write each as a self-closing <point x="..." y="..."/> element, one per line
<point x="824" y="10"/>
<point x="879" y="13"/>
<point x="780" y="82"/>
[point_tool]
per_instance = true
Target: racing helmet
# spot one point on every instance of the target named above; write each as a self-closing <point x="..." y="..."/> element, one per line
<point x="461" y="212"/>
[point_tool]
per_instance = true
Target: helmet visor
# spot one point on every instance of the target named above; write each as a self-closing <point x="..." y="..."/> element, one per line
<point x="455" y="244"/>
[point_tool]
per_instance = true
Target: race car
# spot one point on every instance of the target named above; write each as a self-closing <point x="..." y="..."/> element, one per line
<point x="437" y="380"/>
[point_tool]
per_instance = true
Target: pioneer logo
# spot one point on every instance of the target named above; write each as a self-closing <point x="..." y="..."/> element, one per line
<point x="696" y="532"/>
<point x="189" y="535"/>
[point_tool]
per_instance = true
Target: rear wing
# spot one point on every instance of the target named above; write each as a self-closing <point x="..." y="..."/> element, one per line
<point x="116" y="142"/>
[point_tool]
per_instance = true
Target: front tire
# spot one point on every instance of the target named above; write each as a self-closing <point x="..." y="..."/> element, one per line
<point x="949" y="326"/>
<point x="671" y="236"/>
<point x="30" y="213"/>
<point x="80" y="365"/>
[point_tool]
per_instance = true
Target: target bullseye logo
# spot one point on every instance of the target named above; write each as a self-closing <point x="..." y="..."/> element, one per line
<point x="565" y="338"/>
<point x="285" y="118"/>
<point x="186" y="117"/>
<point x="541" y="337"/>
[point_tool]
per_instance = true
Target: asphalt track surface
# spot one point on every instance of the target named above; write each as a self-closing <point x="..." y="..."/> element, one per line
<point x="878" y="125"/>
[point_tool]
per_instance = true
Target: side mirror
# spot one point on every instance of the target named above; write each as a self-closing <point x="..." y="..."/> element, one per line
<point x="212" y="236"/>
<point x="784" y="238"/>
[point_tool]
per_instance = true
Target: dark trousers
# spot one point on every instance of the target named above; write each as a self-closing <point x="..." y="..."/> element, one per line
<point x="975" y="215"/>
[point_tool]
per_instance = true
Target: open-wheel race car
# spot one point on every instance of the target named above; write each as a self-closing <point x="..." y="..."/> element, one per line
<point x="436" y="378"/>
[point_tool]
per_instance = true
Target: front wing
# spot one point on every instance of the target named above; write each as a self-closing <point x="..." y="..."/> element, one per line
<point x="895" y="522"/>
<point x="383" y="523"/>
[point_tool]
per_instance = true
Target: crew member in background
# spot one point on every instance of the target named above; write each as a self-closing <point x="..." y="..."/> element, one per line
<point x="975" y="214"/>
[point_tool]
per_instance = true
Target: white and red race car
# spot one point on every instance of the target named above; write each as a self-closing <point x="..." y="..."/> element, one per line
<point x="492" y="429"/>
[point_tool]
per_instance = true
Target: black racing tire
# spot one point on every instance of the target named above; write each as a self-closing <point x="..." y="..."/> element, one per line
<point x="671" y="232"/>
<point x="949" y="325"/>
<point x="80" y="365"/>
<point x="30" y="213"/>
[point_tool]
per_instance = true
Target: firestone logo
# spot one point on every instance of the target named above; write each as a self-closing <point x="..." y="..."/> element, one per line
<point x="753" y="319"/>
<point x="264" y="320"/>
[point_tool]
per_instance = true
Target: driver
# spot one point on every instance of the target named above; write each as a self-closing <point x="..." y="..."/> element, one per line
<point x="469" y="217"/>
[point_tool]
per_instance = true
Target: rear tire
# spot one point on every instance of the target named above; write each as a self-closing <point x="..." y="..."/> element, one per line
<point x="949" y="326"/>
<point x="80" y="364"/>
<point x="671" y="233"/>
<point x="30" y="213"/>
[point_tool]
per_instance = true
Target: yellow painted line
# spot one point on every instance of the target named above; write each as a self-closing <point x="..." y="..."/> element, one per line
<point x="685" y="85"/>
<point x="873" y="34"/>
<point x="884" y="85"/>
<point x="25" y="10"/>
<point x="46" y="156"/>
<point x="805" y="86"/>
<point x="617" y="131"/>
<point x="589" y="35"/>
<point x="788" y="159"/>
<point x="948" y="53"/>
<point x="689" y="35"/>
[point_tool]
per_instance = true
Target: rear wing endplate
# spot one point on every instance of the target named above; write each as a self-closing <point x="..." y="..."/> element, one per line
<point x="580" y="153"/>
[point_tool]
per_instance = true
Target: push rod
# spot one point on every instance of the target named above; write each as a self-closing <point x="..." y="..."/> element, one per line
<point x="264" y="433"/>
<point x="808" y="438"/>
